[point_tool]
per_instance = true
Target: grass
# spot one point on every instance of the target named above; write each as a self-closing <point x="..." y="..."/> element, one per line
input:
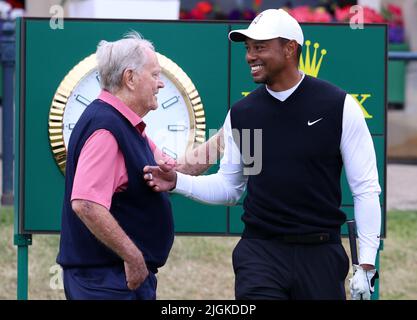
<point x="200" y="267"/>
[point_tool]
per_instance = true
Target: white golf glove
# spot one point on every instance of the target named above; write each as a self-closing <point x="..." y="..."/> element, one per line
<point x="362" y="283"/>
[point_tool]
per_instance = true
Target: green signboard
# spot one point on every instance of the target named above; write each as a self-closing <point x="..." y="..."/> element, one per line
<point x="355" y="60"/>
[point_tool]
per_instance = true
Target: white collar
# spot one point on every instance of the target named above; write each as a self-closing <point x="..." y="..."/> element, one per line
<point x="283" y="95"/>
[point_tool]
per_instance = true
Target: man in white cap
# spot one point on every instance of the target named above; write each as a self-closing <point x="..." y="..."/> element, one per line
<point x="290" y="246"/>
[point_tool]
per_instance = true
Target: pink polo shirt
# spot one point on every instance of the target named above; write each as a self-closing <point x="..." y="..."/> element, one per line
<point x="101" y="169"/>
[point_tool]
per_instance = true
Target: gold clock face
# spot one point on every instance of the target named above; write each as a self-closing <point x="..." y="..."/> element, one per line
<point x="176" y="126"/>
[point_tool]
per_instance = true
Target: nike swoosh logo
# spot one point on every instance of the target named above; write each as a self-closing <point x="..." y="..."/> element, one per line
<point x="311" y="123"/>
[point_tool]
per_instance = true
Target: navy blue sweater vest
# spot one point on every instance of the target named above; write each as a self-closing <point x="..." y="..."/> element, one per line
<point x="298" y="190"/>
<point x="144" y="215"/>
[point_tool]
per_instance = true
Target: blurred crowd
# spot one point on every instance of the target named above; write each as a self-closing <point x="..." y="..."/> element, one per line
<point x="324" y="11"/>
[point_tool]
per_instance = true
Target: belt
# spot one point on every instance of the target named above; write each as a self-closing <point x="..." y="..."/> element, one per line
<point x="311" y="238"/>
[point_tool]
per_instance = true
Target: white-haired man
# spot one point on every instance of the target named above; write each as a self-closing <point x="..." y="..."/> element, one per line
<point x="115" y="232"/>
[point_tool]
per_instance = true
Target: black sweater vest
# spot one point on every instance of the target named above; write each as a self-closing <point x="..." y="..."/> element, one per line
<point x="144" y="215"/>
<point x="298" y="189"/>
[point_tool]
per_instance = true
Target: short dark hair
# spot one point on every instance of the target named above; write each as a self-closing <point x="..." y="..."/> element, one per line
<point x="284" y="41"/>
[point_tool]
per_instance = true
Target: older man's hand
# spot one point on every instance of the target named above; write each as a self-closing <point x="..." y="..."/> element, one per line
<point x="160" y="178"/>
<point x="136" y="272"/>
<point x="362" y="283"/>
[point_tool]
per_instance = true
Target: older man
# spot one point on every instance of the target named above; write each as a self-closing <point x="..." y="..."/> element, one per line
<point x="115" y="232"/>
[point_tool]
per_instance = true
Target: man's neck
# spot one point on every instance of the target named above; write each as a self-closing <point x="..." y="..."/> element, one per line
<point x="285" y="80"/>
<point x="125" y="98"/>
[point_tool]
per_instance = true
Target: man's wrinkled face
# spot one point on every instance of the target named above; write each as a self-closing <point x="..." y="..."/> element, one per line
<point x="149" y="82"/>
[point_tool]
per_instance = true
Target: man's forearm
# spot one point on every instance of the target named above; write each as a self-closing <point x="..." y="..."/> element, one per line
<point x="218" y="188"/>
<point x="201" y="158"/>
<point x="368" y="222"/>
<point x="195" y="169"/>
<point x="106" y="229"/>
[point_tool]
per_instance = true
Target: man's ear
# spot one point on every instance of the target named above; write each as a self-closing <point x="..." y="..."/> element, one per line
<point x="291" y="49"/>
<point x="127" y="78"/>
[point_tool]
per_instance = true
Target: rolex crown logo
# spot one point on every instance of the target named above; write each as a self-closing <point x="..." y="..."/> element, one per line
<point x="311" y="66"/>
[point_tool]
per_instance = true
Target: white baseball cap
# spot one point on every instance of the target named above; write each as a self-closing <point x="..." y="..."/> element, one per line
<point x="270" y="24"/>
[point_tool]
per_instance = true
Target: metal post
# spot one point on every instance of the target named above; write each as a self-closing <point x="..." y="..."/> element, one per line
<point x="375" y="295"/>
<point x="7" y="53"/>
<point x="22" y="241"/>
<point x="402" y="55"/>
